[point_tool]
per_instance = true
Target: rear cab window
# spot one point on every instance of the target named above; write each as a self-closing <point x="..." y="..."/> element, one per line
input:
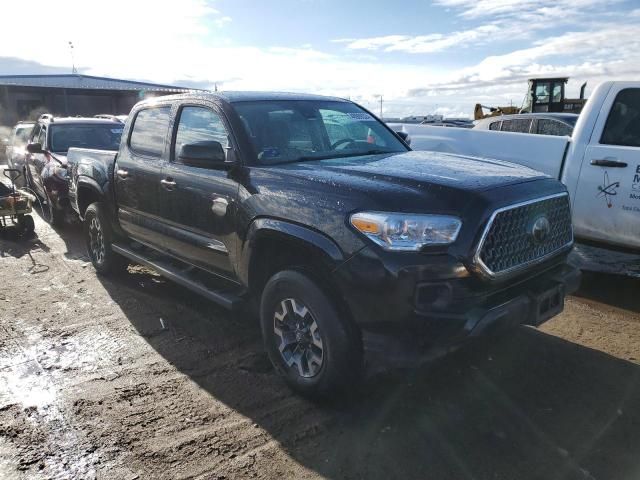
<point x="149" y="131"/>
<point x="623" y="123"/>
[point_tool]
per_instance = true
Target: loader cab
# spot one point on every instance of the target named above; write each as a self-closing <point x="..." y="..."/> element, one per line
<point x="547" y="95"/>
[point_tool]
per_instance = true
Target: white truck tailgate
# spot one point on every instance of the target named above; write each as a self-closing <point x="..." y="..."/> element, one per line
<point x="540" y="152"/>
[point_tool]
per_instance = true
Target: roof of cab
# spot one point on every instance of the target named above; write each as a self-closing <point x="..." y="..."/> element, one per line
<point x="83" y="120"/>
<point x="233" y="97"/>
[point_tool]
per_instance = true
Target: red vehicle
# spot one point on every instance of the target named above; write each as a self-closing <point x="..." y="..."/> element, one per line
<point x="46" y="159"/>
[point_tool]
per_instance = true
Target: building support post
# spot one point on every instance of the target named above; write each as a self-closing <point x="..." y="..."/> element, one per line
<point x="66" y="102"/>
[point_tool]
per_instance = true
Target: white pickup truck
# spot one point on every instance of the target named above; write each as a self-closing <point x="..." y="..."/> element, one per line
<point x="599" y="163"/>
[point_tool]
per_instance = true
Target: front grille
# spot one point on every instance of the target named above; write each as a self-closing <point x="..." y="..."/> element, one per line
<point x="509" y="242"/>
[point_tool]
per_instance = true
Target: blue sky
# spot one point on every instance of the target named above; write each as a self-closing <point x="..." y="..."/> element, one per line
<point x="422" y="56"/>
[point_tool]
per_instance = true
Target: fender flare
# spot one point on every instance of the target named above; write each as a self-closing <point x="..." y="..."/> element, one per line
<point x="90" y="184"/>
<point x="261" y="227"/>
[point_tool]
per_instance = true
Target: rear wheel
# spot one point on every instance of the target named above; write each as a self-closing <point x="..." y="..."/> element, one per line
<point x="305" y="337"/>
<point x="99" y="237"/>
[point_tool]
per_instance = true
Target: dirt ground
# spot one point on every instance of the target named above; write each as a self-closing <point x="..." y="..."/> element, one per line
<point x="134" y="377"/>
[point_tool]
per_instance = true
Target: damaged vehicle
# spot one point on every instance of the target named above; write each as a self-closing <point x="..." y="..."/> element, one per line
<point x="46" y="158"/>
<point x="349" y="246"/>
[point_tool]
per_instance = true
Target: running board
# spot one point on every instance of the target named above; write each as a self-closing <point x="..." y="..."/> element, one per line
<point x="227" y="300"/>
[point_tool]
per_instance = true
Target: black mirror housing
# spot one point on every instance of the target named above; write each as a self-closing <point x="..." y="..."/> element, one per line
<point x="404" y="136"/>
<point x="35" y="148"/>
<point x="207" y="154"/>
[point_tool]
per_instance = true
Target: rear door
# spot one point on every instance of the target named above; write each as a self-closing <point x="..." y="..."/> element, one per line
<point x="607" y="200"/>
<point x="199" y="204"/>
<point x="137" y="174"/>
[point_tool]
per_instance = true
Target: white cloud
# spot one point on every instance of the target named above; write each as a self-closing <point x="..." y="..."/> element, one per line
<point x="190" y="45"/>
<point x="431" y="43"/>
<point x="552" y="10"/>
<point x="507" y="20"/>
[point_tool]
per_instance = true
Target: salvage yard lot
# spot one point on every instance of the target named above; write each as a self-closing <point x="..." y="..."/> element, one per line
<point x="134" y="377"/>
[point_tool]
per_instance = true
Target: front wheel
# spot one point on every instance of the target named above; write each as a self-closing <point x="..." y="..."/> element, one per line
<point x="55" y="217"/>
<point x="99" y="237"/>
<point x="305" y="337"/>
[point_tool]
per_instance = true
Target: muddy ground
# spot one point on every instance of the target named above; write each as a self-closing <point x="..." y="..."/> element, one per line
<point x="134" y="377"/>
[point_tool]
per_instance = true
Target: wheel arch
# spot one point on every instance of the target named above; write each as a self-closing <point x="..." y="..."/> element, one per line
<point x="273" y="245"/>
<point x="271" y="240"/>
<point x="87" y="192"/>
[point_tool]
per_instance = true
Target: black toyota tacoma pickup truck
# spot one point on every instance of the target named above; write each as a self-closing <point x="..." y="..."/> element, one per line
<point x="347" y="243"/>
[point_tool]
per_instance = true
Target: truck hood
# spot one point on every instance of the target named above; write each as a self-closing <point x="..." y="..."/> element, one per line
<point x="417" y="169"/>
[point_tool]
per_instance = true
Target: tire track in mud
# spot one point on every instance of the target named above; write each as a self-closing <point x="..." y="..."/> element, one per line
<point x="102" y="388"/>
<point x="112" y="416"/>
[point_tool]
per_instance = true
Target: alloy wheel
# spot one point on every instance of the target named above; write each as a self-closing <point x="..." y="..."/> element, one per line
<point x="96" y="241"/>
<point x="299" y="335"/>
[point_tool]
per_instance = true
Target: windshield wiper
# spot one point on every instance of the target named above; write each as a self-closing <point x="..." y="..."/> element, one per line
<point x="343" y="155"/>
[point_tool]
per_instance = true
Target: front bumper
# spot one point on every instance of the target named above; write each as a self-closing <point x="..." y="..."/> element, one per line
<point x="439" y="303"/>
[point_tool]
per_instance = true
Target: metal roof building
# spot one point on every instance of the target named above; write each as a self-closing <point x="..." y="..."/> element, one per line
<point x="26" y="96"/>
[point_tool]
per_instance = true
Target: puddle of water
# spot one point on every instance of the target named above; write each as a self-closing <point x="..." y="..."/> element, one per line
<point x="26" y="385"/>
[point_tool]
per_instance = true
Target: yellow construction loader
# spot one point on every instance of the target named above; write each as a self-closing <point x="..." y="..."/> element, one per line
<point x="543" y="95"/>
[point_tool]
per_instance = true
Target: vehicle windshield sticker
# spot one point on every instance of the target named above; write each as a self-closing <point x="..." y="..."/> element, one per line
<point x="117" y="130"/>
<point x="362" y="116"/>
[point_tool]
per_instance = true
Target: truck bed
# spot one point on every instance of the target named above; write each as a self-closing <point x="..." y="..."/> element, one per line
<point x="540" y="152"/>
<point x="85" y="164"/>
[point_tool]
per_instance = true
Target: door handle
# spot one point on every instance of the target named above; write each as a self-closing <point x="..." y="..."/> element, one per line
<point x="122" y="173"/>
<point x="608" y="162"/>
<point x="168" y="183"/>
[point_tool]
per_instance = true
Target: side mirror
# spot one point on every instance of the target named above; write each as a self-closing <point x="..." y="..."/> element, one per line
<point x="404" y="136"/>
<point x="35" y="148"/>
<point x="208" y="154"/>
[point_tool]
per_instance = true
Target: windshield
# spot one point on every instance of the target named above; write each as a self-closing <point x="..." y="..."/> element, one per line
<point x="296" y="130"/>
<point x="22" y="135"/>
<point x="99" y="136"/>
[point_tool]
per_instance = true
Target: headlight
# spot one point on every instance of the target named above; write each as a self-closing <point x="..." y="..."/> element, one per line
<point x="60" y="172"/>
<point x="406" y="231"/>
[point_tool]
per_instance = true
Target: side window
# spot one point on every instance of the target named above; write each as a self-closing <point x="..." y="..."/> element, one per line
<point x="494" y="125"/>
<point x="150" y="131"/>
<point x="198" y="124"/>
<point x="552" y="127"/>
<point x="623" y="123"/>
<point x="516" y="125"/>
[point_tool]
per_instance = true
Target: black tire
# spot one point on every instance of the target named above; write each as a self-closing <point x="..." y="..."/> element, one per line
<point x="99" y="237"/>
<point x="54" y="217"/>
<point x="334" y="350"/>
<point x="26" y="224"/>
